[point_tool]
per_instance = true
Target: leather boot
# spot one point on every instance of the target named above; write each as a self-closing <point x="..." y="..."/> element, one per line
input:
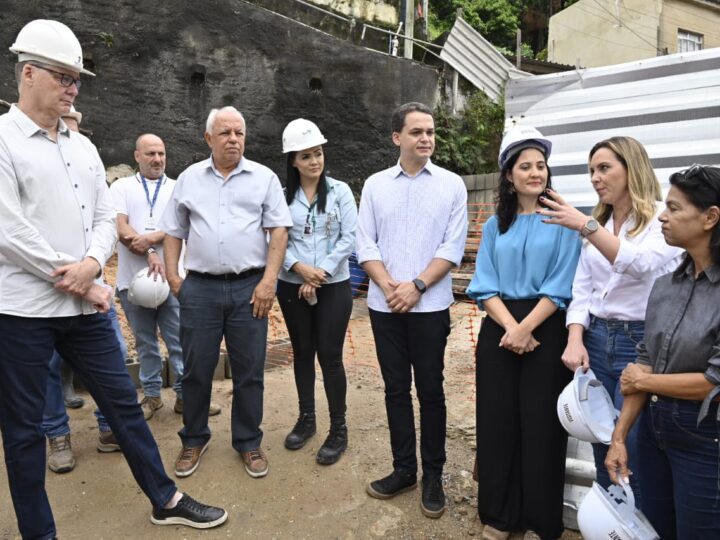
<point x="72" y="400"/>
<point x="303" y="430"/>
<point x="334" y="446"/>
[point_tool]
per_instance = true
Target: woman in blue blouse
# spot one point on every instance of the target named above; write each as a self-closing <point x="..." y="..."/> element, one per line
<point x="314" y="286"/>
<point x="523" y="280"/>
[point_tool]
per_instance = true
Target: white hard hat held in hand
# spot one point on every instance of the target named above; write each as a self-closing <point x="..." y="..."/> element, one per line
<point x="148" y="291"/>
<point x="586" y="410"/>
<point x="301" y="134"/>
<point x="49" y="42"/>
<point x="518" y="138"/>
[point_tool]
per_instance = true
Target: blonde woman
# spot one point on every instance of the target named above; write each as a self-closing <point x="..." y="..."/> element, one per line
<point x="623" y="255"/>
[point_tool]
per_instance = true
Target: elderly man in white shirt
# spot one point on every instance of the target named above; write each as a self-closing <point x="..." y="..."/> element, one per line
<point x="224" y="207"/>
<point x="411" y="232"/>
<point x="56" y="232"/>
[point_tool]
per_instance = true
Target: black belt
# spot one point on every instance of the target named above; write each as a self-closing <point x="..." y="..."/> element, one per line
<point x="226" y="277"/>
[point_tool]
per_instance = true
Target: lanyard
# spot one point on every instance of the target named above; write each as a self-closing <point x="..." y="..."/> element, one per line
<point x="147" y="191"/>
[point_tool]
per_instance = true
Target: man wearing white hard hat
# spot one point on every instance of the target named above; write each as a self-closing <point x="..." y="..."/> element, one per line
<point x="139" y="202"/>
<point x="57" y="231"/>
<point x="225" y="208"/>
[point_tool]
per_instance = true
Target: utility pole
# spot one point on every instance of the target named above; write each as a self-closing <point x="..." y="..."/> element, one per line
<point x="409" y="27"/>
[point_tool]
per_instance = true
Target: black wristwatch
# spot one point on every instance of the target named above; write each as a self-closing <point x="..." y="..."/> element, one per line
<point x="420" y="285"/>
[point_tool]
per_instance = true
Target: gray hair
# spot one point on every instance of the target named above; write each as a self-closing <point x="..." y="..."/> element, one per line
<point x="213" y="114"/>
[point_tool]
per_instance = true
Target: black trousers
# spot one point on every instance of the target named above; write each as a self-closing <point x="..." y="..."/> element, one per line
<point x="318" y="329"/>
<point x="410" y="344"/>
<point x="520" y="443"/>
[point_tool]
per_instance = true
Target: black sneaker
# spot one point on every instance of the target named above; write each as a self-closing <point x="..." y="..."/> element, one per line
<point x="190" y="512"/>
<point x="334" y="446"/>
<point x="398" y="482"/>
<point x="303" y="430"/>
<point x="432" y="503"/>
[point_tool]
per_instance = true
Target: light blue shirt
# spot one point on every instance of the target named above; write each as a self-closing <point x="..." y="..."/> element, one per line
<point x="224" y="220"/>
<point x="323" y="240"/>
<point x="530" y="260"/>
<point x="405" y="222"/>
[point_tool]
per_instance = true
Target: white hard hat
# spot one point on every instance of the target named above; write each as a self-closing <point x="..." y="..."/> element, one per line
<point x="146" y="291"/>
<point x="301" y="134"/>
<point x="74" y="114"/>
<point x="585" y="409"/>
<point x="611" y="513"/>
<point x="518" y="138"/>
<point x="49" y="42"/>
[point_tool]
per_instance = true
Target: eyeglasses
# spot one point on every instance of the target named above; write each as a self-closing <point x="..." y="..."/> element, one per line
<point x="64" y="79"/>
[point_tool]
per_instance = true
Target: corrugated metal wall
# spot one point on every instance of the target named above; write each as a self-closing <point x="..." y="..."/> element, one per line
<point x="671" y="104"/>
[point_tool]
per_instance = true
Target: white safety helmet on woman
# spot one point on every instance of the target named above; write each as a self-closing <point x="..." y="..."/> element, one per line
<point x="301" y="134"/>
<point x="518" y="138"/>
<point x="148" y="291"/>
<point x="49" y="42"/>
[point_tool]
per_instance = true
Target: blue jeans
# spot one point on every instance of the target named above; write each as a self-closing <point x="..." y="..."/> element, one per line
<point x="210" y="310"/>
<point x="89" y="345"/>
<point x="55" y="419"/>
<point x="680" y="466"/>
<point x="145" y="323"/>
<point x="611" y="347"/>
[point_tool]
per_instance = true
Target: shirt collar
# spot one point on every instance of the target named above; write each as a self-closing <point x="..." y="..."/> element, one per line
<point x="28" y="127"/>
<point x="245" y="165"/>
<point x="163" y="178"/>
<point x="429" y="167"/>
<point x="687" y="270"/>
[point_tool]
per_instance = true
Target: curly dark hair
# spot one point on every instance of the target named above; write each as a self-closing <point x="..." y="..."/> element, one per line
<point x="701" y="185"/>
<point x="506" y="202"/>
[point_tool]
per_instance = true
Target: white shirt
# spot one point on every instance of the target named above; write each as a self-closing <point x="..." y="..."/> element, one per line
<point x="129" y="198"/>
<point x="224" y="220"/>
<point x="55" y="210"/>
<point x="405" y="222"/>
<point x="621" y="290"/>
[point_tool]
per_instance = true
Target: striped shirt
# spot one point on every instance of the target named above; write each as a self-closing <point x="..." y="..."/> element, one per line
<point x="405" y="222"/>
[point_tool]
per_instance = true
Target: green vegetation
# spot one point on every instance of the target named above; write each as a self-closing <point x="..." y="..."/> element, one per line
<point x="468" y="143"/>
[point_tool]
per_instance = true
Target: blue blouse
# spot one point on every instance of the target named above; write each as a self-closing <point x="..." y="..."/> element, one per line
<point x="530" y="260"/>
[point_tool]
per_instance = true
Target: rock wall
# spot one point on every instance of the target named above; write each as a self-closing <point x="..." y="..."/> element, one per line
<point x="161" y="66"/>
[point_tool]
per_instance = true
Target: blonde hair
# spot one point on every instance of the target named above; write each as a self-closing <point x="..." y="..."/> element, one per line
<point x="643" y="185"/>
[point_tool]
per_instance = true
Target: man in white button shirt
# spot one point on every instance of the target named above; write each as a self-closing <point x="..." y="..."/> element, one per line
<point x="411" y="231"/>
<point x="225" y="207"/>
<point x="56" y="232"/>
<point x="139" y="201"/>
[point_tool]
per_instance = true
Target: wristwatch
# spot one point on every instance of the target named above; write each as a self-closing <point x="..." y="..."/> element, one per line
<point x="590" y="227"/>
<point x="150" y="250"/>
<point x="420" y="285"/>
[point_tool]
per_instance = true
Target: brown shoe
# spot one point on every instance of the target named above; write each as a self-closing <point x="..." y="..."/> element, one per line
<point x="150" y="404"/>
<point x="491" y="533"/>
<point x="213" y="411"/>
<point x="256" y="462"/>
<point x="189" y="459"/>
<point x="107" y="442"/>
<point x="61" y="458"/>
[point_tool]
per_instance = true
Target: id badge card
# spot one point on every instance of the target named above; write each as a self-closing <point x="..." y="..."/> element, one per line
<point x="308" y="229"/>
<point x="150" y="224"/>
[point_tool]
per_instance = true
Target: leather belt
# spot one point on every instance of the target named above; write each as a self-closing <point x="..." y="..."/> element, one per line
<point x="226" y="277"/>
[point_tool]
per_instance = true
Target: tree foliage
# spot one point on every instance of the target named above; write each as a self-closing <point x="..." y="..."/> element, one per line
<point x="496" y="20"/>
<point x="468" y="143"/>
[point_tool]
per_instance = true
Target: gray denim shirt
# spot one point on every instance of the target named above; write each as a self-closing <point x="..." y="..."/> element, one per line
<point x="682" y="326"/>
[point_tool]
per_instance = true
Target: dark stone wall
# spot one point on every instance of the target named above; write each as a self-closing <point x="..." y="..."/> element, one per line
<point x="161" y="66"/>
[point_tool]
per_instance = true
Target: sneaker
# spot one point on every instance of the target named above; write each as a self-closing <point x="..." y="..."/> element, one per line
<point x="394" y="484"/>
<point x="491" y="533"/>
<point x="256" y="462"/>
<point x="150" y="404"/>
<point x="61" y="458"/>
<point x="189" y="512"/>
<point x="214" y="409"/>
<point x="189" y="459"/>
<point x="107" y="442"/>
<point x="432" y="503"/>
<point x="531" y="535"/>
<point x="304" y="429"/>
<point x="334" y="446"/>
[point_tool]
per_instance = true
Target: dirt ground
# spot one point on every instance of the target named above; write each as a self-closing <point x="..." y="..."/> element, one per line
<point x="298" y="499"/>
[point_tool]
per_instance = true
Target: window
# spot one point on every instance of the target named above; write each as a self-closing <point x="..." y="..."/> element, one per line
<point x="689" y="41"/>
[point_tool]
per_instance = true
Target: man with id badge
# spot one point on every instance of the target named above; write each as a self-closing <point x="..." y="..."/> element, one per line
<point x="139" y="202"/>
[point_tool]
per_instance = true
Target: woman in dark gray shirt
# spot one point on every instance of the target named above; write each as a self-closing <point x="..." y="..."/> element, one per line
<point x="676" y="379"/>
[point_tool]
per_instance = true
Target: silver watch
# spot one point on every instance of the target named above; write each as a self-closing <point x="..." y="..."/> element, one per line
<point x="590" y="227"/>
